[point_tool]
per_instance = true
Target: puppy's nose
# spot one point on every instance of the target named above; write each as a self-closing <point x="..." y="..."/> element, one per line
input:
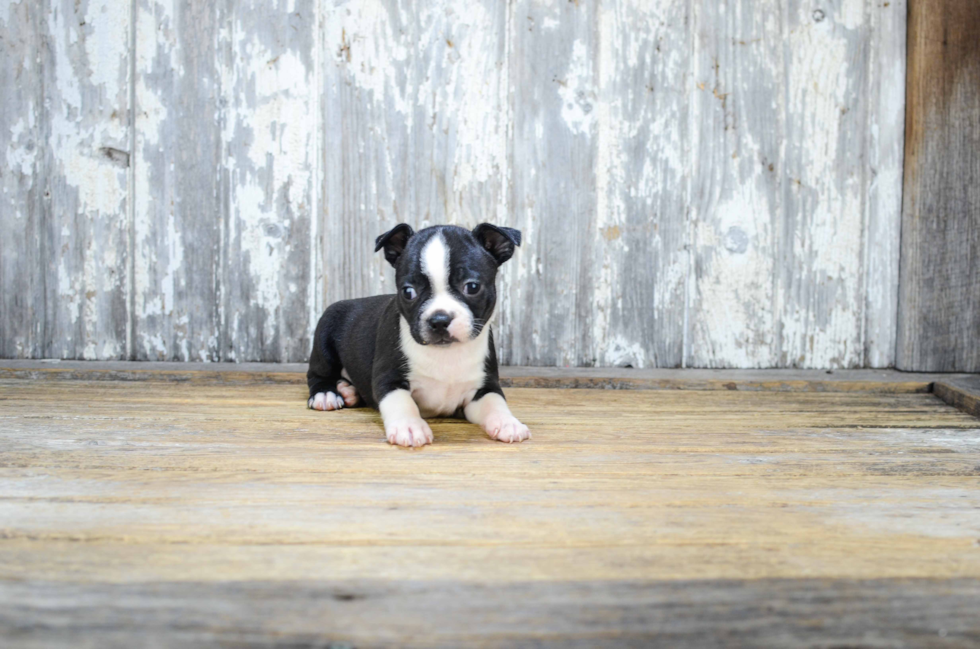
<point x="439" y="321"/>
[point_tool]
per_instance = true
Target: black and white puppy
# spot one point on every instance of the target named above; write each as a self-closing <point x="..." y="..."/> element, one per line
<point x="426" y="351"/>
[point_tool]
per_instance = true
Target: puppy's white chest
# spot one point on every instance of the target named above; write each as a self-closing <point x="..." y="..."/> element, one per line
<point x="438" y="398"/>
<point x="444" y="379"/>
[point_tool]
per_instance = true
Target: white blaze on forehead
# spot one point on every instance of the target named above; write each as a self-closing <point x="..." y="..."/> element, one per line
<point x="435" y="265"/>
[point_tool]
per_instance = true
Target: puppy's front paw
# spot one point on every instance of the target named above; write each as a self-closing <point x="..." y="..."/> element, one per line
<point x="506" y="428"/>
<point x="411" y="431"/>
<point x="326" y="401"/>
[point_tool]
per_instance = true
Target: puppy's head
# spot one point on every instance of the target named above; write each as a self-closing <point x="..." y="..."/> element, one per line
<point x="444" y="277"/>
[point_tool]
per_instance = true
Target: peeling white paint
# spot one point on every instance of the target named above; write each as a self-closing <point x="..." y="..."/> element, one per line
<point x="576" y="91"/>
<point x="730" y="135"/>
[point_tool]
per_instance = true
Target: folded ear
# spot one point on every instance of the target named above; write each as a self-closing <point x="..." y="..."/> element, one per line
<point x="394" y="242"/>
<point x="499" y="242"/>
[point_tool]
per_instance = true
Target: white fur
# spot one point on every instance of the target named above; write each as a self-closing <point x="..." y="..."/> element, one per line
<point x="492" y="415"/>
<point x="444" y="378"/>
<point x="326" y="401"/>
<point x="435" y="265"/>
<point x="403" y="424"/>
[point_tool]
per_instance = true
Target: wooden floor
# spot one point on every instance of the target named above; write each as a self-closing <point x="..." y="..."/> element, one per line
<point x="162" y="514"/>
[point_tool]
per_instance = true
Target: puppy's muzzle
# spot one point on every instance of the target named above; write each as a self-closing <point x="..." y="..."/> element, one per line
<point x="438" y="328"/>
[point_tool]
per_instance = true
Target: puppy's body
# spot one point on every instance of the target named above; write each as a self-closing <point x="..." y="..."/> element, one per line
<point x="425" y="351"/>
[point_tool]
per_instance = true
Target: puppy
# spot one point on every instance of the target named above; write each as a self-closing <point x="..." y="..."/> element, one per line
<point x="426" y="351"/>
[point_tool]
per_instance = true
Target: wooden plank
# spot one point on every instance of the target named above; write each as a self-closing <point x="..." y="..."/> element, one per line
<point x="885" y="152"/>
<point x="21" y="110"/>
<point x="193" y="513"/>
<point x="867" y="381"/>
<point x="178" y="182"/>
<point x="737" y="120"/>
<point x="765" y="612"/>
<point x="821" y="300"/>
<point x="86" y="141"/>
<point x="269" y="134"/>
<point x="960" y="391"/>
<point x="788" y="112"/>
<point x="548" y="319"/>
<point x="414" y="128"/>
<point x="640" y="229"/>
<point x="939" y="304"/>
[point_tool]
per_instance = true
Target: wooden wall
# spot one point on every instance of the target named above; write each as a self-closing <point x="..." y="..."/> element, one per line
<point x="939" y="325"/>
<point x="699" y="183"/>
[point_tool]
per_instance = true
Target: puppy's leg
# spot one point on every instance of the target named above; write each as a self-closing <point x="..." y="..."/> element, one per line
<point x="490" y="412"/>
<point x="404" y="425"/>
<point x="324" y="375"/>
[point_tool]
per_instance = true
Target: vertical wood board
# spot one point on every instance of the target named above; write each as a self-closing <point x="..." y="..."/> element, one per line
<point x="21" y="298"/>
<point x="269" y="149"/>
<point x="939" y="299"/>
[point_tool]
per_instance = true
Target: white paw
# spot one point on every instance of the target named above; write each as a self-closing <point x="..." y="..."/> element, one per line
<point x="411" y="431"/>
<point x="326" y="401"/>
<point x="348" y="392"/>
<point x="507" y="428"/>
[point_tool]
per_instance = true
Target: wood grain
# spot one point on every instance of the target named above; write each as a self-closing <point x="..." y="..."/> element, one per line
<point x="939" y="302"/>
<point x="609" y="378"/>
<point x="962" y="392"/>
<point x="699" y="185"/>
<point x="66" y="85"/>
<point x="21" y="282"/>
<point x="121" y="494"/>
<point x="178" y="175"/>
<point x="372" y="613"/>
<point x="640" y="260"/>
<point x="779" y="216"/>
<point x="270" y="144"/>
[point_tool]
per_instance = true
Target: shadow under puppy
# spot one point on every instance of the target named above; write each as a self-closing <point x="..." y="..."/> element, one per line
<point x="426" y="351"/>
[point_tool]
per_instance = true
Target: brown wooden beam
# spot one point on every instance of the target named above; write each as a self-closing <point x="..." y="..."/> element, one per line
<point x="939" y="293"/>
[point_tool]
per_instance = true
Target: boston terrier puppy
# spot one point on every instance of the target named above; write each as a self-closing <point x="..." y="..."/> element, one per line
<point x="426" y="351"/>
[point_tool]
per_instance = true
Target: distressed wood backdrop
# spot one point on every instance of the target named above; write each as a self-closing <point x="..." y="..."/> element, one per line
<point x="699" y="183"/>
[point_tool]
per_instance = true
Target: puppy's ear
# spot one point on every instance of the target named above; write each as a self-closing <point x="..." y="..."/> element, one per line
<point x="394" y="242"/>
<point x="499" y="241"/>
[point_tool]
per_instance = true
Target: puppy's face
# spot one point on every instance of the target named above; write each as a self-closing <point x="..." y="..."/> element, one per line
<point x="445" y="278"/>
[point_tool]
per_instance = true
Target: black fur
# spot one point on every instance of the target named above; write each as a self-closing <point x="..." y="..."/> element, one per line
<point x="362" y="336"/>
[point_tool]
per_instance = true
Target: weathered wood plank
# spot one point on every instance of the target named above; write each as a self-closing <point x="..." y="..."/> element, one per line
<point x="269" y="144"/>
<point x="960" y="391"/>
<point x="825" y="176"/>
<point x="867" y="381"/>
<point x="939" y="299"/>
<point x="737" y="123"/>
<point x="85" y="63"/>
<point x="642" y="166"/>
<point x="414" y="128"/>
<point x="784" y="114"/>
<point x="202" y="513"/>
<point x="886" y="146"/>
<point x="21" y="113"/>
<point x="633" y="613"/>
<point x="179" y="205"/>
<point x="549" y="320"/>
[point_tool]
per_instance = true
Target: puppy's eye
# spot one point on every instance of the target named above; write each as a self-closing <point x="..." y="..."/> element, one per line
<point x="471" y="288"/>
<point x="409" y="293"/>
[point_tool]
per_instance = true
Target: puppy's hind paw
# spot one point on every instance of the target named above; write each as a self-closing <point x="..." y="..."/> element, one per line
<point x="326" y="401"/>
<point x="348" y="392"/>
